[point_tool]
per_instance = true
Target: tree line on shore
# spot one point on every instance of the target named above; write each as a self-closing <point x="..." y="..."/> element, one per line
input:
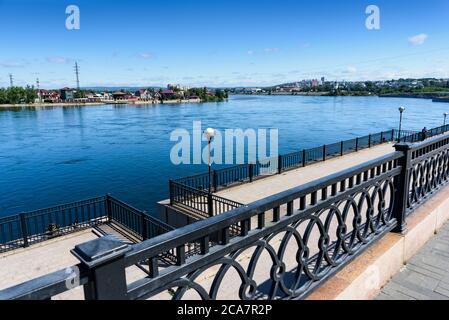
<point x="372" y="88"/>
<point x="17" y="95"/>
<point x="28" y="95"/>
<point x="206" y="96"/>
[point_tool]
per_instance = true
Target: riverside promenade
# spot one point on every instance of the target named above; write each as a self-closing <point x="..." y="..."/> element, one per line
<point x="315" y="227"/>
<point x="27" y="263"/>
<point x="260" y="189"/>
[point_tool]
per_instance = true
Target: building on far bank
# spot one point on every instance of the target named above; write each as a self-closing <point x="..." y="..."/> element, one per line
<point x="119" y="95"/>
<point x="144" y="95"/>
<point x="168" y="94"/>
<point x="49" y="96"/>
<point x="67" y="94"/>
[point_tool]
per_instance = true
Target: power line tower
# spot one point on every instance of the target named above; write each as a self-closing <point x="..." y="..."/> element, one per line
<point x="77" y="73"/>
<point x="38" y="90"/>
<point x="11" y="80"/>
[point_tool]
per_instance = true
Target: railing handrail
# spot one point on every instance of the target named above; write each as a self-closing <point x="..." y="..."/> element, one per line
<point x="123" y="204"/>
<point x="395" y="135"/>
<point x="66" y="206"/>
<point x="177" y="237"/>
<point x="430" y="140"/>
<point x="37" y="289"/>
<point x="229" y="201"/>
<point x="190" y="189"/>
<point x="29" y="231"/>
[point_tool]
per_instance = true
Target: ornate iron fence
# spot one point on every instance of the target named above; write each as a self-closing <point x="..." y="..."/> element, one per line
<point x="287" y="244"/>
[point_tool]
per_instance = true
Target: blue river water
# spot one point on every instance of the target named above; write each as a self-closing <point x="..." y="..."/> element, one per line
<point x="50" y="156"/>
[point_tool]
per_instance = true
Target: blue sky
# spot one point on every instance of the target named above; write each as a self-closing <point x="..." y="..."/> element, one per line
<point x="221" y="43"/>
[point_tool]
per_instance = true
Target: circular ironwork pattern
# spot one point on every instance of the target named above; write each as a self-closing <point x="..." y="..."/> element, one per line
<point x="321" y="242"/>
<point x="427" y="176"/>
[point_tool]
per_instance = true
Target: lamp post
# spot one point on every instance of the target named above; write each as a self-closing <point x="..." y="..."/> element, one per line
<point x="209" y="133"/>
<point x="445" y="116"/>
<point x="401" y="111"/>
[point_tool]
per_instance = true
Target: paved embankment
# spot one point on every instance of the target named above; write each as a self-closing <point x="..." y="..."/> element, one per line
<point x="426" y="275"/>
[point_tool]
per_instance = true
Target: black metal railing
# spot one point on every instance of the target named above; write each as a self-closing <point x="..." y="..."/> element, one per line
<point x="246" y="173"/>
<point x="191" y="194"/>
<point x="410" y="136"/>
<point x="288" y="244"/>
<point x="29" y="228"/>
<point x="198" y="202"/>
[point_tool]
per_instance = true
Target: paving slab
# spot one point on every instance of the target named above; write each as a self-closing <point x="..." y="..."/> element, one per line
<point x="426" y="276"/>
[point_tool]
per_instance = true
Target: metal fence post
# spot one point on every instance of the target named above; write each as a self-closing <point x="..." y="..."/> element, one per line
<point x="401" y="184"/>
<point x="369" y="141"/>
<point x="24" y="228"/>
<point x="210" y="205"/>
<point x="392" y="135"/>
<point x="250" y="172"/>
<point x="357" y="144"/>
<point x="108" y="207"/>
<point x="382" y="137"/>
<point x="170" y="184"/>
<point x="342" y="148"/>
<point x="280" y="164"/>
<point x="215" y="177"/>
<point x="324" y="153"/>
<point x="304" y="162"/>
<point x="144" y="228"/>
<point x="104" y="260"/>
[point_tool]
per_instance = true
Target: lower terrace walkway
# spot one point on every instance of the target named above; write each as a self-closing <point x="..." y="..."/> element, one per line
<point x="260" y="189"/>
<point x="25" y="264"/>
<point x="426" y="275"/>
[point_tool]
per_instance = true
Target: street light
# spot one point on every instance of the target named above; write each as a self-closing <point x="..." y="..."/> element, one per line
<point x="401" y="111"/>
<point x="445" y="116"/>
<point x="209" y="133"/>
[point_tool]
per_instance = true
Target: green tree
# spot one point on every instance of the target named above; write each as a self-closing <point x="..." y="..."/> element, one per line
<point x="30" y="95"/>
<point x="3" y="98"/>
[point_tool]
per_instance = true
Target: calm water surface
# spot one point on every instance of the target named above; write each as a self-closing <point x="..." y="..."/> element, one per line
<point x="57" y="155"/>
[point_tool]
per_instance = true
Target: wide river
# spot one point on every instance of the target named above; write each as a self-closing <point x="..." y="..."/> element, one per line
<point x="56" y="155"/>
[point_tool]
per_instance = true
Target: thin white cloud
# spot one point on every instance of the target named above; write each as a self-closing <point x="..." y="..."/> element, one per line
<point x="351" y="69"/>
<point x="271" y="50"/>
<point x="146" y="55"/>
<point x="418" y="40"/>
<point x="12" y="64"/>
<point x="59" y="60"/>
<point x="250" y="52"/>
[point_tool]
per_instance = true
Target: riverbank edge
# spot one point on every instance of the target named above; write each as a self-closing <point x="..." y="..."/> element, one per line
<point x="78" y="104"/>
<point x="84" y="104"/>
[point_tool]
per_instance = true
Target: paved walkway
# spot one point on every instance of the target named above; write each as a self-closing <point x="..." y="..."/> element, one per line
<point x="260" y="189"/>
<point x="25" y="264"/>
<point x="426" y="276"/>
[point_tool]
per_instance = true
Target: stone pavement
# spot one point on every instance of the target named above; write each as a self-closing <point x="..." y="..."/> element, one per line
<point x="25" y="264"/>
<point x="426" y="275"/>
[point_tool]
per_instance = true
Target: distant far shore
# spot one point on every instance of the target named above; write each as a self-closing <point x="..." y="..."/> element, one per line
<point x="79" y="104"/>
<point x="435" y="96"/>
